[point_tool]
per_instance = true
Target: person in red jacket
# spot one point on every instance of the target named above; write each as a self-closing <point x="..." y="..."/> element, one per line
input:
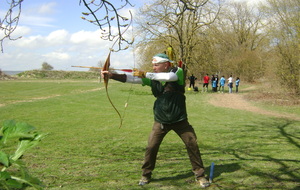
<point x="205" y="83"/>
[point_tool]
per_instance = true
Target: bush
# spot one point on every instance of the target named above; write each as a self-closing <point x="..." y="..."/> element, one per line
<point x="13" y="174"/>
<point x="42" y="74"/>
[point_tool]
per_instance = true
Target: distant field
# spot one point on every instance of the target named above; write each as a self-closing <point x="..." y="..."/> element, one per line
<point x="85" y="149"/>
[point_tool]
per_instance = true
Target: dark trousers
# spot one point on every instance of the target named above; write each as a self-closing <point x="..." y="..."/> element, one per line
<point x="186" y="132"/>
<point x="192" y="84"/>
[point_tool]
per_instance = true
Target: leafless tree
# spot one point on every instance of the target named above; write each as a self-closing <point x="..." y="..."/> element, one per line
<point x="10" y="21"/>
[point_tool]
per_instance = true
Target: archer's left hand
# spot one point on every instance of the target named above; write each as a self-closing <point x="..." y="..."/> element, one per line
<point x="106" y="72"/>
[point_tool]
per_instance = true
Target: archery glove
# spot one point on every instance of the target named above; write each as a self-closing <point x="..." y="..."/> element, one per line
<point x="138" y="73"/>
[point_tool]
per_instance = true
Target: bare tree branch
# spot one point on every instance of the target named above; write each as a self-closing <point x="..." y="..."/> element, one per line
<point x="106" y="15"/>
<point x="10" y="21"/>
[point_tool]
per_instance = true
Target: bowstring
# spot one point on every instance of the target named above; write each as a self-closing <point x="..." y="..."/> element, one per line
<point x="131" y="85"/>
<point x="126" y="103"/>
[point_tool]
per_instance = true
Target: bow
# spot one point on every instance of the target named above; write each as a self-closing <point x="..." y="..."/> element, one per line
<point x="106" y="78"/>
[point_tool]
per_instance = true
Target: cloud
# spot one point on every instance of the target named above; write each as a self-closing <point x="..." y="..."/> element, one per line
<point x="21" y="31"/>
<point x="61" y="49"/>
<point x="57" y="37"/>
<point x="28" y="42"/>
<point x="57" y="55"/>
<point x="42" y="21"/>
<point x="63" y="38"/>
<point x="91" y="37"/>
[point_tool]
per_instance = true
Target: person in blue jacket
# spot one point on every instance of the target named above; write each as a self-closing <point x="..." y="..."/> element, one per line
<point x="222" y="84"/>
<point x="237" y="83"/>
<point x="214" y="85"/>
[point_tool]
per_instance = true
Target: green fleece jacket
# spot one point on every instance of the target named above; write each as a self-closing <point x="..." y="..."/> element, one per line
<point x="169" y="106"/>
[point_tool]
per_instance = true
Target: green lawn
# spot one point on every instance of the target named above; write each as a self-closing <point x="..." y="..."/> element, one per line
<point x="85" y="148"/>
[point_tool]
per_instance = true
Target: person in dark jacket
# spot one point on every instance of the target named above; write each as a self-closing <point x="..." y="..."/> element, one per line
<point x="192" y="79"/>
<point x="237" y="84"/>
<point x="167" y="85"/>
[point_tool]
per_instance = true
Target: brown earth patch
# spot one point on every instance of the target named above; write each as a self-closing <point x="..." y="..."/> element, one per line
<point x="237" y="101"/>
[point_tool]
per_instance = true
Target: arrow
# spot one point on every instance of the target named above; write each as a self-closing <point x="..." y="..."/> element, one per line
<point x="125" y="70"/>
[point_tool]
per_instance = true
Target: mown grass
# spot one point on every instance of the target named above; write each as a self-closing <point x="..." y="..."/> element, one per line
<point x="85" y="149"/>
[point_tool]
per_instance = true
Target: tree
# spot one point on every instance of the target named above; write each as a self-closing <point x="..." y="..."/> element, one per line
<point x="285" y="30"/>
<point x="46" y="67"/>
<point x="239" y="41"/>
<point x="176" y="24"/>
<point x="14" y="174"/>
<point x="10" y="21"/>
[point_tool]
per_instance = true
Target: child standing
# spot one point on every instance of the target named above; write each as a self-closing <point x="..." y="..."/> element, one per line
<point x="222" y="84"/>
<point x="237" y="83"/>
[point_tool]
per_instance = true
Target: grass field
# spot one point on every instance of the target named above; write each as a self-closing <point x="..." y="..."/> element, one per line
<point x="85" y="148"/>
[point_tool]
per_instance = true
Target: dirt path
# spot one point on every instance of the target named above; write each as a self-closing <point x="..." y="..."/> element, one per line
<point x="236" y="101"/>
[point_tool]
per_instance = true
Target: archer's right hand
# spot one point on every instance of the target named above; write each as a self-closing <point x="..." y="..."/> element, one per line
<point x="138" y="73"/>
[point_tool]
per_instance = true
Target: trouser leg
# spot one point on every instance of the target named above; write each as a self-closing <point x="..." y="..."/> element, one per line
<point x="188" y="136"/>
<point x="156" y="136"/>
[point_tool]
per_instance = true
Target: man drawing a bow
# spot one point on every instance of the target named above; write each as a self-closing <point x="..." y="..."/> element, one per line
<point x="167" y="85"/>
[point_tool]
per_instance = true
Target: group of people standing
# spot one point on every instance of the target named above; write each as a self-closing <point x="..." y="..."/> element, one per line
<point x="216" y="83"/>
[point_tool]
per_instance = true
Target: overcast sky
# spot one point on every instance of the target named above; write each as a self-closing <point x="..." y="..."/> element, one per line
<point x="53" y="32"/>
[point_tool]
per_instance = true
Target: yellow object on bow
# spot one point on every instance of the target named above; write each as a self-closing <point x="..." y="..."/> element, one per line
<point x="139" y="73"/>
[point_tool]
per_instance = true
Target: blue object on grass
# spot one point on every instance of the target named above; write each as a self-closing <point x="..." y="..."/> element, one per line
<point x="211" y="174"/>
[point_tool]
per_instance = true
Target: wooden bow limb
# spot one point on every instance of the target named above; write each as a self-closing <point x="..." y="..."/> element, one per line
<point x="106" y="78"/>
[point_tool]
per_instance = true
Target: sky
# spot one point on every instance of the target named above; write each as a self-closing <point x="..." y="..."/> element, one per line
<point x="52" y="31"/>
